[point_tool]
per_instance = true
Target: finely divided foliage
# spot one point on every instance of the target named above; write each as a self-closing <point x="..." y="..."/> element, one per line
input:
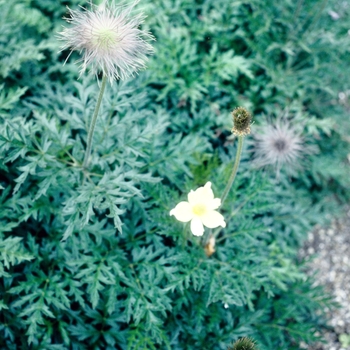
<point x="90" y="257"/>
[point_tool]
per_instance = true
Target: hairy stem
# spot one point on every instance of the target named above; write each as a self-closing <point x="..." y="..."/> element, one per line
<point x="234" y="170"/>
<point x="93" y="122"/>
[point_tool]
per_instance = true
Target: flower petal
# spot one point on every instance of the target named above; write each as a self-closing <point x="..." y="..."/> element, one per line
<point x="201" y="195"/>
<point x="192" y="197"/>
<point x="214" y="204"/>
<point x="182" y="212"/>
<point x="197" y="227"/>
<point x="213" y="219"/>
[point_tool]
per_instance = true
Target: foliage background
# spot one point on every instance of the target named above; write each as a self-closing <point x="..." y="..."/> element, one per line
<point x="128" y="276"/>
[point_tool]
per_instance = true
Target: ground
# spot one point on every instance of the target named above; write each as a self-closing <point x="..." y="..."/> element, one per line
<point x="330" y="249"/>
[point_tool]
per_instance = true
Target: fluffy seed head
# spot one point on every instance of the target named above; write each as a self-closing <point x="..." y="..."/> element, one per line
<point x="278" y="144"/>
<point x="241" y="121"/>
<point x="109" y="39"/>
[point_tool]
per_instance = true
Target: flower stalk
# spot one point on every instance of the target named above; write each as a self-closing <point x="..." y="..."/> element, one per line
<point x="93" y="122"/>
<point x="241" y="127"/>
<point x="234" y="169"/>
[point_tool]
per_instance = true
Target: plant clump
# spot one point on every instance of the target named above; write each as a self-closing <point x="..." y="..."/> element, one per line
<point x="90" y="171"/>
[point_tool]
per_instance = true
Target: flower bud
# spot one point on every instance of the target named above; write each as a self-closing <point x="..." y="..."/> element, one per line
<point x="243" y="344"/>
<point x="241" y="121"/>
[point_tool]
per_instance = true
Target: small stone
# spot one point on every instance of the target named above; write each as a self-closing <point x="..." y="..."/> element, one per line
<point x="330" y="232"/>
<point x="311" y="250"/>
<point x="341" y="323"/>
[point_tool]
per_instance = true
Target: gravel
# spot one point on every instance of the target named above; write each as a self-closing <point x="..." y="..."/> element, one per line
<point x="331" y="248"/>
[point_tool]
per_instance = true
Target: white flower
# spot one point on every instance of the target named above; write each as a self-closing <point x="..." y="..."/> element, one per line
<point x="109" y="40"/>
<point x="200" y="210"/>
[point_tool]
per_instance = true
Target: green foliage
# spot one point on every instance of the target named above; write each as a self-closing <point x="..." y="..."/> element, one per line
<point x="91" y="258"/>
<point x="11" y="253"/>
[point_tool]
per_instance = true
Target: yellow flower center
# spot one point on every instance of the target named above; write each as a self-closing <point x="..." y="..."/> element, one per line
<point x="199" y="209"/>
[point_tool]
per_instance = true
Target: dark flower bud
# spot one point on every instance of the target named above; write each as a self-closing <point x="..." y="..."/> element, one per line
<point x="243" y="344"/>
<point x="241" y="121"/>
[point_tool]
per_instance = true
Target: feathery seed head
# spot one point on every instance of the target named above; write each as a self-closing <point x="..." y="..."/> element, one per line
<point x="109" y="39"/>
<point x="243" y="344"/>
<point x="241" y="121"/>
<point x="278" y="144"/>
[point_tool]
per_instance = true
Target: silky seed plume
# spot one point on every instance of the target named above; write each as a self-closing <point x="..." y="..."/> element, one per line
<point x="109" y="40"/>
<point x="278" y="144"/>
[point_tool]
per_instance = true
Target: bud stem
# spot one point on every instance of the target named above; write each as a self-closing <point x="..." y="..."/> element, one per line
<point x="234" y="170"/>
<point x="93" y="122"/>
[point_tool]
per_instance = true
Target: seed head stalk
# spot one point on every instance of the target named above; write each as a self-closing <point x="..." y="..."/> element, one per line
<point x="93" y="122"/>
<point x="234" y="169"/>
<point x="241" y="127"/>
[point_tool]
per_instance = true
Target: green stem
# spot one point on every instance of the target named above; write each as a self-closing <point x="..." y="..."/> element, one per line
<point x="316" y="17"/>
<point x="93" y="122"/>
<point x="234" y="170"/>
